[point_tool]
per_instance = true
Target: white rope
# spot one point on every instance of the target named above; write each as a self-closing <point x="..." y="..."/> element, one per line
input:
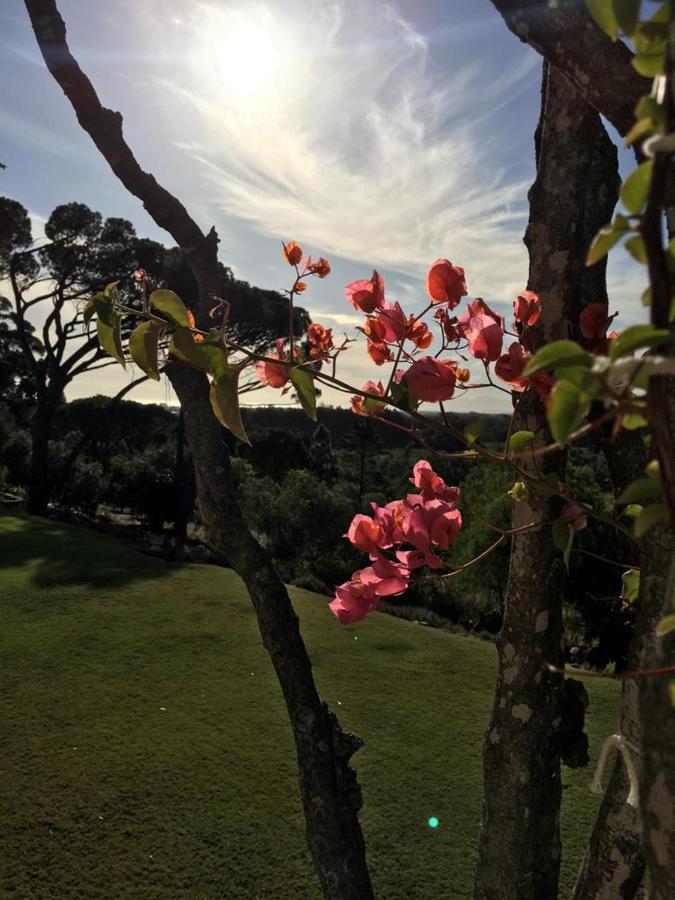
<point x="624" y="747"/>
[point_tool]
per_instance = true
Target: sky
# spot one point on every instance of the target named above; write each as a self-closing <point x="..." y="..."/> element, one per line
<point x="374" y="134"/>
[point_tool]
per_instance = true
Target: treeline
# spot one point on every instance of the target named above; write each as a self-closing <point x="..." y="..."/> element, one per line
<point x="301" y="483"/>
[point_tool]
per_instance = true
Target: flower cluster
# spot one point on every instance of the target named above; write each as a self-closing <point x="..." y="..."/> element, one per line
<point x="400" y="538"/>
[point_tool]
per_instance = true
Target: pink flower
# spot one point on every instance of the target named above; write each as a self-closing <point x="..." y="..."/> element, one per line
<point x="393" y="323"/>
<point x="364" y="406"/>
<point x="576" y="514"/>
<point x="432" y="522"/>
<point x="430" y="380"/>
<point x="271" y="374"/>
<point x="510" y="366"/>
<point x="527" y="308"/>
<point x="594" y="321"/>
<point x="365" y="533"/>
<point x="445" y="283"/>
<point x="484" y="336"/>
<point x="366" y="295"/>
<point x="385" y="577"/>
<point x="353" y="601"/>
<point x="432" y="485"/>
<point x="390" y="520"/>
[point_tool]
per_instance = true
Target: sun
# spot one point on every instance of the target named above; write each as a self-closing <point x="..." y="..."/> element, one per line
<point x="240" y="51"/>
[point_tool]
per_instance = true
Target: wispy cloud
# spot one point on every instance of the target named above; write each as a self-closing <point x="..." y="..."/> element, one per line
<point x="348" y="136"/>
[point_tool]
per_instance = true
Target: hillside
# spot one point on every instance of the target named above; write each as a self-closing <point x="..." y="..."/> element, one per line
<point x="145" y="751"/>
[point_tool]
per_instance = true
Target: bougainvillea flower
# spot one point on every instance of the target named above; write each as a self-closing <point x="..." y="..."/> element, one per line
<point x="379" y="352"/>
<point x="543" y="383"/>
<point x="446" y="283"/>
<point x="394" y="322"/>
<point x="390" y="519"/>
<point x="140" y="275"/>
<point x="366" y="295"/>
<point x="478" y="307"/>
<point x="353" y="601"/>
<point x="293" y="253"/>
<point x="365" y="406"/>
<point x="270" y="373"/>
<point x="594" y="321"/>
<point x="509" y="367"/>
<point x="431" y="485"/>
<point x="527" y="308"/>
<point x="450" y="330"/>
<point x="365" y="533"/>
<point x="321" y="267"/>
<point x="420" y="335"/>
<point x="385" y="577"/>
<point x="484" y="336"/>
<point x="576" y="514"/>
<point x="430" y="380"/>
<point x="321" y="340"/>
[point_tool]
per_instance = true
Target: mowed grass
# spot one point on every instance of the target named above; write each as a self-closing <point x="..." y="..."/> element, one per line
<point x="145" y="750"/>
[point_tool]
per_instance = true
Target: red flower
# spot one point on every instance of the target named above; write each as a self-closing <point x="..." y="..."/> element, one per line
<point x="379" y="352"/>
<point x="321" y="340"/>
<point x="594" y="321"/>
<point x="484" y="336"/>
<point x="430" y="380"/>
<point x="420" y="335"/>
<point x="358" y="402"/>
<point x="293" y="253"/>
<point x="270" y="373"/>
<point x="366" y="295"/>
<point x="321" y="268"/>
<point x="527" y="308"/>
<point x="509" y="367"/>
<point x="445" y="283"/>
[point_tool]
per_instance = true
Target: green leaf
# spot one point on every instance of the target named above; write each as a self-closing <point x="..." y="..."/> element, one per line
<point x="633" y="510"/>
<point x="143" y="342"/>
<point x="110" y="339"/>
<point x="665" y="626"/>
<point x="224" y="396"/>
<point x="635" y="188"/>
<point x="641" y="490"/>
<point x="642" y="126"/>
<point x="171" y="305"/>
<point x="605" y="17"/>
<point x="558" y="355"/>
<point x="626" y="13"/>
<point x="519" y="440"/>
<point x="650" y="515"/>
<point x="303" y="383"/>
<point x="646" y="298"/>
<point x="183" y="347"/>
<point x="637" y="337"/>
<point x="636" y="247"/>
<point x="473" y="430"/>
<point x="567" y="407"/>
<point x="633" y="421"/>
<point x="563" y="538"/>
<point x="110" y="288"/>
<point x="650" y="64"/>
<point x="606" y="238"/>
<point x="630" y="581"/>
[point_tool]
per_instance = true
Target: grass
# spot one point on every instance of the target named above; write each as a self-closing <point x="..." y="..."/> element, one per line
<point x="145" y="751"/>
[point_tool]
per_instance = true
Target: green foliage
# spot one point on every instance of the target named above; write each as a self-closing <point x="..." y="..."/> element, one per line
<point x="303" y="383"/>
<point x="224" y="397"/>
<point x="606" y="238"/>
<point x="143" y="347"/>
<point x="519" y="441"/>
<point x="635" y="188"/>
<point x="141" y="668"/>
<point x="558" y="355"/>
<point x="170" y="304"/>
<point x="567" y="408"/>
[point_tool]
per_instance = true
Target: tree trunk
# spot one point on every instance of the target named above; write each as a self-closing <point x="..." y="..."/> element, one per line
<point x="330" y="793"/>
<point x="519" y="849"/>
<point x="39" y="484"/>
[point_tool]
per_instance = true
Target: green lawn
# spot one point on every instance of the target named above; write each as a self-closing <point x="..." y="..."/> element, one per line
<point x="145" y="752"/>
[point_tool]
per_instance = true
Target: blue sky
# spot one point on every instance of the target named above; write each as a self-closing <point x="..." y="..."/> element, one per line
<point x="375" y="134"/>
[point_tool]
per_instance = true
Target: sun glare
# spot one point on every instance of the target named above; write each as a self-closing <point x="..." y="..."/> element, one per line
<point x="240" y="52"/>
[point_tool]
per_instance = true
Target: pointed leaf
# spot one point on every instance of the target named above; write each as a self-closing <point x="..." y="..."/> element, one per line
<point x="637" y="337"/>
<point x="110" y="339"/>
<point x="224" y="396"/>
<point x="606" y="238"/>
<point x="630" y="585"/>
<point x="568" y="406"/>
<point x="563" y="538"/>
<point x="304" y="385"/>
<point x="635" y="188"/>
<point x="626" y="13"/>
<point x="143" y="342"/>
<point x="558" y="355"/>
<point x="171" y="305"/>
<point x="666" y="625"/>
<point x="473" y="430"/>
<point x="636" y="247"/>
<point x="650" y="515"/>
<point x="519" y="440"/>
<point x="641" y="490"/>
<point x="603" y="13"/>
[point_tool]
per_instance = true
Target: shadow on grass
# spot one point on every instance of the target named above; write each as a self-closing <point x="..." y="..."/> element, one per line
<point x="59" y="554"/>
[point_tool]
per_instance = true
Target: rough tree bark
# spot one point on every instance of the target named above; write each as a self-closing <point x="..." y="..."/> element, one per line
<point x="566" y="35"/>
<point x="330" y="793"/>
<point x="519" y="850"/>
